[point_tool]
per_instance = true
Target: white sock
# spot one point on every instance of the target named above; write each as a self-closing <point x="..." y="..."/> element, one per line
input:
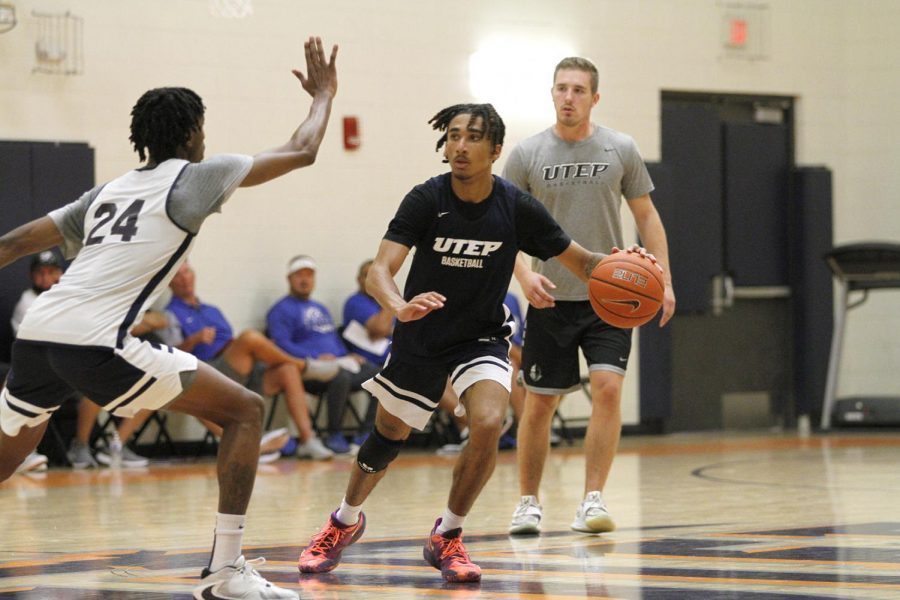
<point x="227" y="541"/>
<point x="348" y="515"/>
<point x="450" y="521"/>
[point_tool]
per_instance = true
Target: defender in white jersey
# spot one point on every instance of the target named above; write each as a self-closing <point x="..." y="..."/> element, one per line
<point x="128" y="238"/>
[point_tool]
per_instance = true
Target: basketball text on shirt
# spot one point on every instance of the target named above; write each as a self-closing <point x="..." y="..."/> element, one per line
<point x="461" y="247"/>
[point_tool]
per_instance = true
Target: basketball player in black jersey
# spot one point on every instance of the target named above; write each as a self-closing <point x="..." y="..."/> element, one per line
<point x="467" y="227"/>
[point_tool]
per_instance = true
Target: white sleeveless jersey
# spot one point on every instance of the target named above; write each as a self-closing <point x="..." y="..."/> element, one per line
<point x="131" y="250"/>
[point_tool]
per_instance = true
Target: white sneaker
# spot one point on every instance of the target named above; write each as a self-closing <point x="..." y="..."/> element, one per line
<point x="314" y="449"/>
<point x="33" y="462"/>
<point x="269" y="457"/>
<point x="593" y="516"/>
<point x="526" y="519"/>
<point x="274" y="440"/>
<point x="451" y="449"/>
<point x="240" y="581"/>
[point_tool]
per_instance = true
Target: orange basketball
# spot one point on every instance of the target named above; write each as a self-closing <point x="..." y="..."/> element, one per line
<point x="626" y="289"/>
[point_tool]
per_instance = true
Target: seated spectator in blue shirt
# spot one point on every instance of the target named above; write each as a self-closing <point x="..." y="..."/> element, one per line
<point x="304" y="328"/>
<point x="367" y="326"/>
<point x="207" y="334"/>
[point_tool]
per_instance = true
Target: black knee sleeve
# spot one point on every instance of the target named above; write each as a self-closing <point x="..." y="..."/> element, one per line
<point x="377" y="452"/>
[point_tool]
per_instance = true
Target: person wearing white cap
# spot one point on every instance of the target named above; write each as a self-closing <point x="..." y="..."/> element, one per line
<point x="304" y="328"/>
<point x="206" y="333"/>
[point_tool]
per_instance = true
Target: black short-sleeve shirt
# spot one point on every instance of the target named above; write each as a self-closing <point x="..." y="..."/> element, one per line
<point x="466" y="252"/>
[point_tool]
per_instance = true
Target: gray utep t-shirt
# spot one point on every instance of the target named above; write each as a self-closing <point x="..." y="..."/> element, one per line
<point x="582" y="185"/>
<point x="200" y="190"/>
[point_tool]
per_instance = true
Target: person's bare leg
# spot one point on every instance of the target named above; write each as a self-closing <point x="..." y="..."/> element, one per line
<point x="517" y="395"/>
<point x="213" y="428"/>
<point x="361" y="483"/>
<point x="448" y="403"/>
<point x="604" y="428"/>
<point x="486" y="403"/>
<point x="533" y="442"/>
<point x="251" y="346"/>
<point x="285" y="378"/>
<point x="14" y="450"/>
<point x="239" y="412"/>
<point x="128" y="426"/>
<point x="87" y="418"/>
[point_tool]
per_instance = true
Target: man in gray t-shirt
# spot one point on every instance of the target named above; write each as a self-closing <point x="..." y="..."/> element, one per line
<point x="581" y="172"/>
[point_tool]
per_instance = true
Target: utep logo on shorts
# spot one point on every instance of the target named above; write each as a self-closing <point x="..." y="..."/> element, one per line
<point x="626" y="275"/>
<point x="574" y="170"/>
<point x="463" y="248"/>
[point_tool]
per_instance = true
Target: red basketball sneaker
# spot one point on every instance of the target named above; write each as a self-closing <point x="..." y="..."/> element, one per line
<point x="324" y="551"/>
<point x="445" y="552"/>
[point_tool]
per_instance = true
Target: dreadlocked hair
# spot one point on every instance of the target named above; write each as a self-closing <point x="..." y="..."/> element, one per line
<point x="494" y="129"/>
<point x="162" y="121"/>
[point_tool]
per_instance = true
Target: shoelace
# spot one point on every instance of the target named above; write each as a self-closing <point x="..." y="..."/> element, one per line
<point x="325" y="540"/>
<point x="455" y="549"/>
<point x="248" y="571"/>
<point x="523" y="509"/>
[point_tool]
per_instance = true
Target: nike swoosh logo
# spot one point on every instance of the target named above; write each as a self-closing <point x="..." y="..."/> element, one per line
<point x="634" y="304"/>
<point x="209" y="595"/>
<point x="441" y="214"/>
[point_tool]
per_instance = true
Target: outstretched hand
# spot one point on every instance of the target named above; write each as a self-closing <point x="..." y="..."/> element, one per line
<point x="321" y="77"/>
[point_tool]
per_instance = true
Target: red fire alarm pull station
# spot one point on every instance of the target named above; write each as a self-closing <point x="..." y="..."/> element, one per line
<point x="738" y="34"/>
<point x="351" y="133"/>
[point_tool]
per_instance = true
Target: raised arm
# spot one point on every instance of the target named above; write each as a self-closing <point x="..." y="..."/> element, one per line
<point x="320" y="82"/>
<point x="30" y="238"/>
<point x="380" y="285"/>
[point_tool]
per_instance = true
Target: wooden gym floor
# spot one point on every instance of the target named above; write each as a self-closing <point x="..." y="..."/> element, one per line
<point x="700" y="516"/>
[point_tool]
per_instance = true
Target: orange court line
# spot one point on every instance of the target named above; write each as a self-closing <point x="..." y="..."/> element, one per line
<point x="767" y="536"/>
<point x="56" y="560"/>
<point x="786" y="561"/>
<point x="456" y="592"/>
<point x="657" y="578"/>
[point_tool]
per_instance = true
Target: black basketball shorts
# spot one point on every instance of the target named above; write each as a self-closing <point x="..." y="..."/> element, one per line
<point x="140" y="375"/>
<point x="552" y="338"/>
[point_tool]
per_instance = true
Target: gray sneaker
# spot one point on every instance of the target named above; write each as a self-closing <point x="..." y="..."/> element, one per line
<point x="128" y="458"/>
<point x="592" y="515"/>
<point x="80" y="456"/>
<point x="526" y="519"/>
<point x="314" y="449"/>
